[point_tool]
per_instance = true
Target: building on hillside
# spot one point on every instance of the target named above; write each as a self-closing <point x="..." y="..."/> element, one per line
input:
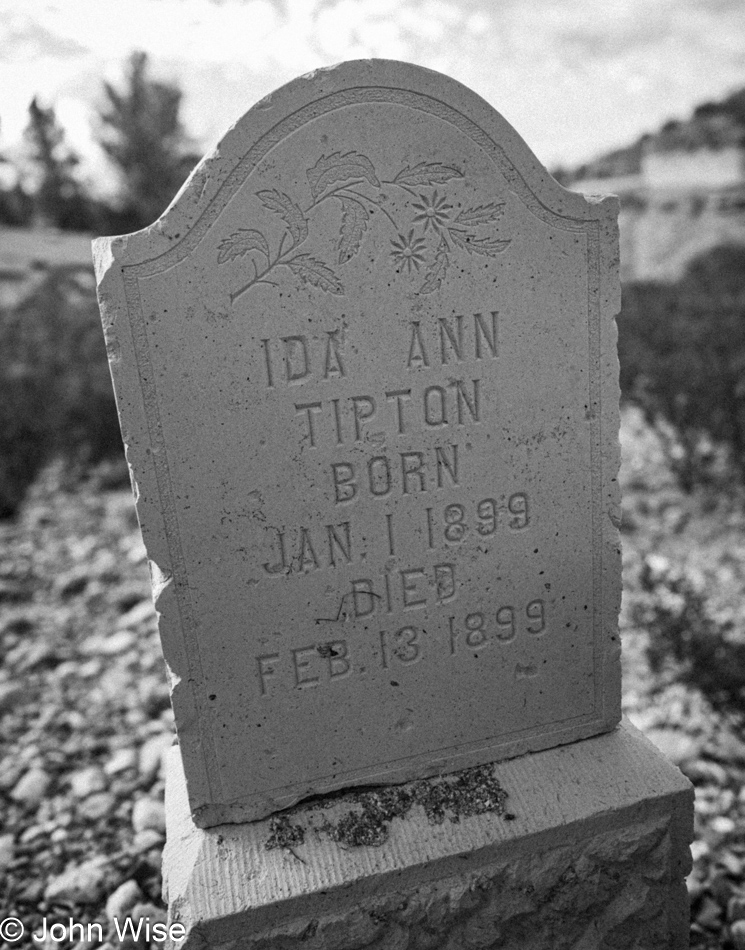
<point x="682" y="194"/>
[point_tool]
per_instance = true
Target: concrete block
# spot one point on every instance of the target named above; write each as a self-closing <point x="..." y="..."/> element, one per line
<point x="588" y="850"/>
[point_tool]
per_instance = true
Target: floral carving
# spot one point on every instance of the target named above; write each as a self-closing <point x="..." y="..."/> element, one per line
<point x="351" y="180"/>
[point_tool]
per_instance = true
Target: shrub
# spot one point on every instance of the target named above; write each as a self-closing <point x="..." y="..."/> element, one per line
<point x="685" y="637"/>
<point x="682" y="353"/>
<point x="56" y="397"/>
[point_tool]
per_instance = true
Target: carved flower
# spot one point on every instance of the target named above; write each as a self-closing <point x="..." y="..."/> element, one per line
<point x="408" y="251"/>
<point x="432" y="211"/>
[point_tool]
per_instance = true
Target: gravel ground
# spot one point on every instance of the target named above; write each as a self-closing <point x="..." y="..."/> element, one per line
<point x="86" y="715"/>
<point x="85" y="712"/>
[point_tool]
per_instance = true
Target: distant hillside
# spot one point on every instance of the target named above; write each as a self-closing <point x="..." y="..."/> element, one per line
<point x="712" y="125"/>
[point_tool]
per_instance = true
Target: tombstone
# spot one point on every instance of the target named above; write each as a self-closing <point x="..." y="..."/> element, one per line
<point x="366" y="374"/>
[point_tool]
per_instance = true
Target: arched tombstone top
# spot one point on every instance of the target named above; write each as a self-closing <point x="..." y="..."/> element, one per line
<point x="365" y="367"/>
<point x="343" y="88"/>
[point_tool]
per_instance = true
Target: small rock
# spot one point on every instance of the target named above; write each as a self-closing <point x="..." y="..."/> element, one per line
<point x="97" y="805"/>
<point x="152" y="753"/>
<point x="709" y="914"/>
<point x="72" y="582"/>
<point x="737" y="933"/>
<point x="736" y="908"/>
<point x="145" y="840"/>
<point x="31" y="834"/>
<point x="38" y="654"/>
<point x="120" y="761"/>
<point x="149" y="912"/>
<point x="675" y="744"/>
<point x="10" y="693"/>
<point x="84" y="884"/>
<point x="123" y="900"/>
<point x="90" y="669"/>
<point x="732" y="864"/>
<point x="148" y="813"/>
<point x="120" y="642"/>
<point x="696" y="888"/>
<point x="730" y="749"/>
<point x="140" y="613"/>
<point x="722" y="825"/>
<point x="721" y="889"/>
<point x="10" y="772"/>
<point x="32" y="788"/>
<point x="7" y="851"/>
<point x="701" y="771"/>
<point x="111" y="644"/>
<point x="87" y="781"/>
<point x="32" y="892"/>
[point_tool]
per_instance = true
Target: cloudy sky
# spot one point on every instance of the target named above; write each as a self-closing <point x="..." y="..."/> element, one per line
<point x="575" y="77"/>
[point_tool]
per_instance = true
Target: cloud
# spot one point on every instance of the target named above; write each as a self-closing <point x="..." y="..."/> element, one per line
<point x="574" y="77"/>
<point x="24" y="41"/>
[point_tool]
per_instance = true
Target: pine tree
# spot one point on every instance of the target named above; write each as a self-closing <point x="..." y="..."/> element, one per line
<point x="58" y="199"/>
<point x="143" y="136"/>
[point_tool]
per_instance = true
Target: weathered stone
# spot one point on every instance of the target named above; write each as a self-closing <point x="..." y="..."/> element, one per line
<point x="151" y="754"/>
<point x="120" y="761"/>
<point x="32" y="787"/>
<point x="123" y="900"/>
<point x="84" y="884"/>
<point x="148" y="813"/>
<point x="10" y="693"/>
<point x="87" y="781"/>
<point x="146" y="840"/>
<point x="577" y="859"/>
<point x="7" y="850"/>
<point x="365" y="367"/>
<point x="95" y="806"/>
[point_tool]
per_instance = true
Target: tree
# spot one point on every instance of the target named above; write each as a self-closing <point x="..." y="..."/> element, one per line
<point x="58" y="200"/>
<point x="682" y="354"/>
<point x="143" y="136"/>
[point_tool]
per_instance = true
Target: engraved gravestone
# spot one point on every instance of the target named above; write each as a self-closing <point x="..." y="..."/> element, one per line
<point x="366" y="374"/>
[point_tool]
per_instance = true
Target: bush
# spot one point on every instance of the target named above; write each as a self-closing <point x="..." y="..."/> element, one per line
<point x="686" y="639"/>
<point x="682" y="353"/>
<point x="56" y="398"/>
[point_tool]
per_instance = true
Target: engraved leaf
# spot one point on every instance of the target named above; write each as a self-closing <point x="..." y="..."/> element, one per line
<point x="427" y="173"/>
<point x="354" y="218"/>
<point x="332" y="169"/>
<point x="487" y="246"/>
<point x="239" y="243"/>
<point x="436" y="271"/>
<point x="312" y="271"/>
<point x="284" y="206"/>
<point x="483" y="214"/>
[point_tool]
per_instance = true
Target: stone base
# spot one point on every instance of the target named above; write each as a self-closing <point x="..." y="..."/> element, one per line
<point x="590" y="852"/>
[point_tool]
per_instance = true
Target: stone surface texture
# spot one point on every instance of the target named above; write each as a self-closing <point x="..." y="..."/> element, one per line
<point x="367" y="380"/>
<point x="594" y="856"/>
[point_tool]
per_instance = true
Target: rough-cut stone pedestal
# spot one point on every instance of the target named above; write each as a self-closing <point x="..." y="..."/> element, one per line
<point x="595" y="857"/>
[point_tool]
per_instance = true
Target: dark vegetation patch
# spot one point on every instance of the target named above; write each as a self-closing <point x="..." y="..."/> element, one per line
<point x="283" y="833"/>
<point x="473" y="791"/>
<point x="470" y="792"/>
<point x="682" y="350"/>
